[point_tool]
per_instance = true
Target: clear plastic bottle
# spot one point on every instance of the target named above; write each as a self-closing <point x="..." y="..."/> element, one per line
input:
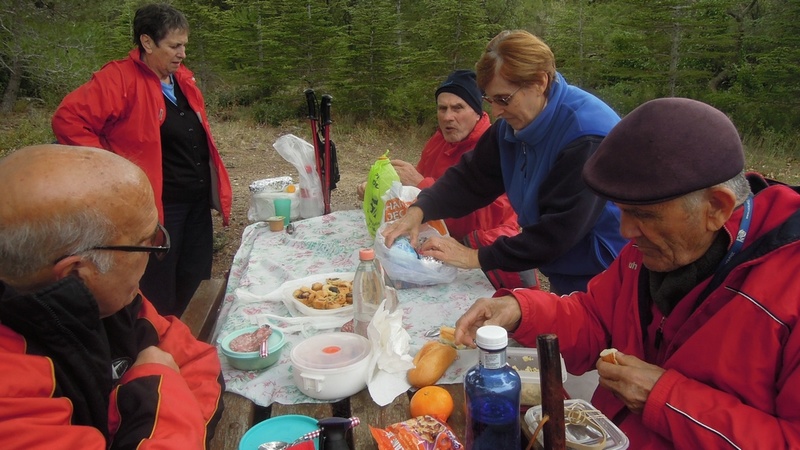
<point x="492" y="392"/>
<point x="389" y="289"/>
<point x="368" y="290"/>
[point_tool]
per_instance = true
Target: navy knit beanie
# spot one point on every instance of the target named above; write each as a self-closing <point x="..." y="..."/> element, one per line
<point x="463" y="84"/>
<point x="665" y="149"/>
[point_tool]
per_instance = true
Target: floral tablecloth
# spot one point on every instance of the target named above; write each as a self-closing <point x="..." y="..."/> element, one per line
<point x="321" y="245"/>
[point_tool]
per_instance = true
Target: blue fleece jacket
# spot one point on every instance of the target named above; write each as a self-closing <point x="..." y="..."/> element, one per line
<point x="568" y="232"/>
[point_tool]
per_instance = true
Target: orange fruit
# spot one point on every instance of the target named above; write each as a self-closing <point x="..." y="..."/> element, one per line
<point x="432" y="401"/>
<point x="290" y="188"/>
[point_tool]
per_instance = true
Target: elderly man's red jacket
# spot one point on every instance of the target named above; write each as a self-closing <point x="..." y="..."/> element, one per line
<point x="67" y="378"/>
<point x="732" y="357"/>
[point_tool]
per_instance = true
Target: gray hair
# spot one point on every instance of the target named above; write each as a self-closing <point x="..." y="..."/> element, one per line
<point x="28" y="247"/>
<point x="738" y="184"/>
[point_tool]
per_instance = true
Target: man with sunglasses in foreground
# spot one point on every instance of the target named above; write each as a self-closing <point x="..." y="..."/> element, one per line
<point x="534" y="152"/>
<point x="85" y="361"/>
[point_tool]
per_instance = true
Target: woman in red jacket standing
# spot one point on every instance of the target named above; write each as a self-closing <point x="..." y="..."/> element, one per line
<point x="148" y="108"/>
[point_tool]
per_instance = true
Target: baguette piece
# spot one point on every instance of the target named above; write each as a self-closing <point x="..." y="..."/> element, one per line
<point x="447" y="335"/>
<point x="609" y="355"/>
<point x="430" y="363"/>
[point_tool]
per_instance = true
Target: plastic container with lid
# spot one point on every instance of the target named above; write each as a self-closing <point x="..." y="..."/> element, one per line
<point x="526" y="362"/>
<point x="332" y="365"/>
<point x="589" y="429"/>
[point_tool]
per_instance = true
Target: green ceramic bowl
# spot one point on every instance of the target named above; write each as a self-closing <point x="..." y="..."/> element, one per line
<point x="253" y="360"/>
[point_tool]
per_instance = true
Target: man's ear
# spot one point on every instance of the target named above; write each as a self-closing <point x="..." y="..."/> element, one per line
<point x="71" y="265"/>
<point x="721" y="203"/>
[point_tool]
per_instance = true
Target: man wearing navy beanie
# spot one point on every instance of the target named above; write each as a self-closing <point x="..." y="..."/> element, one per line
<point x="461" y="123"/>
<point x="463" y="84"/>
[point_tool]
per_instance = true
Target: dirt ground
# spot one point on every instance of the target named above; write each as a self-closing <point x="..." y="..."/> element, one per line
<point x="248" y="155"/>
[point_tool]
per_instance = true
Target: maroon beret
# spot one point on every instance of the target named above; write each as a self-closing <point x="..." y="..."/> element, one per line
<point x="664" y="149"/>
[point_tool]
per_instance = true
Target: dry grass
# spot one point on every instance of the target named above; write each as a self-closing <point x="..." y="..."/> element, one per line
<point x="247" y="151"/>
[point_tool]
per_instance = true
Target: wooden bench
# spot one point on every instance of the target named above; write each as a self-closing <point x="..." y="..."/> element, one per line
<point x="200" y="316"/>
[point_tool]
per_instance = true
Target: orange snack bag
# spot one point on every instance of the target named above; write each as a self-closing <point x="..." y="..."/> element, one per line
<point x="419" y="433"/>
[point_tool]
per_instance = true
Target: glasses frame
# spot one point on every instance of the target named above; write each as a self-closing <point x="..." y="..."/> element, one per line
<point x="159" y="251"/>
<point x="503" y="101"/>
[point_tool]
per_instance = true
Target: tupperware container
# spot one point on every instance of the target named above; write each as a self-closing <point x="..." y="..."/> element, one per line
<point x="331" y="365"/>
<point x="253" y="360"/>
<point x="578" y="436"/>
<point x="526" y="362"/>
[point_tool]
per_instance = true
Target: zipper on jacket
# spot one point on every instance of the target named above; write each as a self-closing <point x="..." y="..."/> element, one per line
<point x="524" y="160"/>
<point x="660" y="333"/>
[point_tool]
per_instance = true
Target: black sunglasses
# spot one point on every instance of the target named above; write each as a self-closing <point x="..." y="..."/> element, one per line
<point x="504" y="101"/>
<point x="159" y="249"/>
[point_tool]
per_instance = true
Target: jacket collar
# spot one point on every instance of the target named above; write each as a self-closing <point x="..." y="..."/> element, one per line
<point x="539" y="129"/>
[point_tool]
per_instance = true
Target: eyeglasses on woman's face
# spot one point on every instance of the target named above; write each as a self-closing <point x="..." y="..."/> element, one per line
<point x="503" y="101"/>
<point x="159" y="248"/>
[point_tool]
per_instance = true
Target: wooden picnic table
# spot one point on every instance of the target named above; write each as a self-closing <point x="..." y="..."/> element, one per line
<point x="242" y="413"/>
<point x="265" y="261"/>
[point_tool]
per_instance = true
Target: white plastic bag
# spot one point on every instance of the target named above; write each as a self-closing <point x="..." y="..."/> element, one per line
<point x="408" y="269"/>
<point x="301" y="155"/>
<point x="396" y="201"/>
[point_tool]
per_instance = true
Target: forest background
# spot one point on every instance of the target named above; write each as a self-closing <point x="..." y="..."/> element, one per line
<point x="381" y="60"/>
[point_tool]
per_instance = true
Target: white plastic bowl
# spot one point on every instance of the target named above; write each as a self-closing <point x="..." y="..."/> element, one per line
<point x="331" y="366"/>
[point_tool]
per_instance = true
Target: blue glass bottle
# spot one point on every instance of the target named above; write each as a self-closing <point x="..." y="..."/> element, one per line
<point x="492" y="391"/>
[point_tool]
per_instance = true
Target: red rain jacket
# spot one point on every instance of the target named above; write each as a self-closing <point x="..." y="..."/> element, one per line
<point x="121" y="109"/>
<point x="732" y="364"/>
<point x="56" y="387"/>
<point x="496" y="219"/>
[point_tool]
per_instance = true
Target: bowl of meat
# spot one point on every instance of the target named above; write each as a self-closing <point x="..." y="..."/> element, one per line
<point x="253" y="348"/>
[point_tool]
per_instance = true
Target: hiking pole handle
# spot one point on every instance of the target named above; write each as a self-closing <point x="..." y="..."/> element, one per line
<point x="311" y="99"/>
<point x="325" y="107"/>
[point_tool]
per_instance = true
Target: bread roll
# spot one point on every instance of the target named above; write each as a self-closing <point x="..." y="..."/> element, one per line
<point x="430" y="363"/>
<point x="447" y="335"/>
<point x="609" y="355"/>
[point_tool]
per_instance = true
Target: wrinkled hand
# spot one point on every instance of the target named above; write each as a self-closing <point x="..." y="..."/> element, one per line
<point x="407" y="172"/>
<point x="630" y="381"/>
<point x="450" y="251"/>
<point x="501" y="311"/>
<point x="155" y="355"/>
<point x="361" y="189"/>
<point x="408" y="225"/>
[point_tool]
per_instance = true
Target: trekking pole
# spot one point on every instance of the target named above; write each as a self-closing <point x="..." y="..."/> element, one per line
<point x="325" y="118"/>
<point x="311" y="99"/>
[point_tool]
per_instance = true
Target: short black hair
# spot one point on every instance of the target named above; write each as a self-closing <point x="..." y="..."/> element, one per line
<point x="157" y="20"/>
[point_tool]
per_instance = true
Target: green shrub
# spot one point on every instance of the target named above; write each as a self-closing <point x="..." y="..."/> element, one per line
<point x="27" y="128"/>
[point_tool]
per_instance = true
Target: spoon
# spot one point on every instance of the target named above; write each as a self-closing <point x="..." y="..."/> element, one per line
<point x="280" y="445"/>
<point x="434" y="332"/>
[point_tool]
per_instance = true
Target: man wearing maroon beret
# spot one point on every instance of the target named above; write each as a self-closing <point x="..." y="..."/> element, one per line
<point x="702" y="304"/>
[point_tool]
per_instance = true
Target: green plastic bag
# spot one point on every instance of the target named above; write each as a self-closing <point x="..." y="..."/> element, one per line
<point x="380" y="179"/>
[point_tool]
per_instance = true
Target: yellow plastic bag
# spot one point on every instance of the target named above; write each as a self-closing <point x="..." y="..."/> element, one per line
<point x="380" y="179"/>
